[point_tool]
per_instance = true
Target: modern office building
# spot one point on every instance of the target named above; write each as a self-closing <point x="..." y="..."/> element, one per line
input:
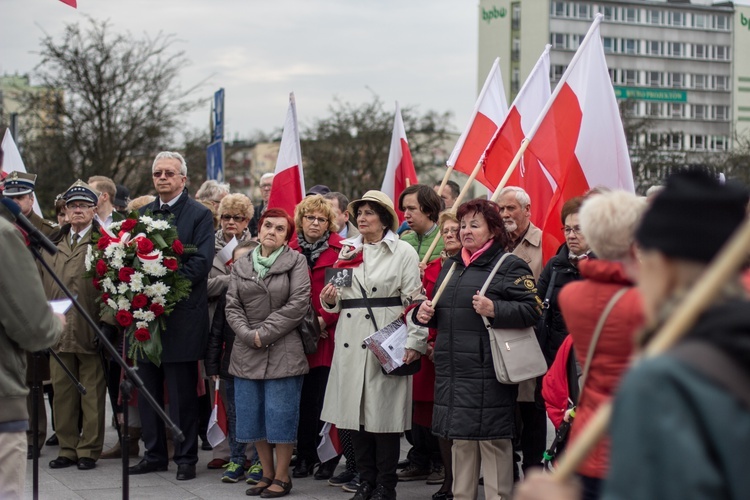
<point x="679" y="64"/>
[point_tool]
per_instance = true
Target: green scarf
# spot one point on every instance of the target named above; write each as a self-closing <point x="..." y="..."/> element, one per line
<point x="263" y="264"/>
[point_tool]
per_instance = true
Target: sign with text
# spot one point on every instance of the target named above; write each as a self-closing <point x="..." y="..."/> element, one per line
<point x="218" y="115"/>
<point x="215" y="161"/>
<point x="645" y="94"/>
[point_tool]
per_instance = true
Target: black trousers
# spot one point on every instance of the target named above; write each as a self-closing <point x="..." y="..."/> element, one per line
<point x="532" y="439"/>
<point x="182" y="381"/>
<point x="377" y="457"/>
<point x="311" y="404"/>
<point x="426" y="451"/>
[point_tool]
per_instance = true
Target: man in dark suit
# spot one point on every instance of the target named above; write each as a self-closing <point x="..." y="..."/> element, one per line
<point x="185" y="338"/>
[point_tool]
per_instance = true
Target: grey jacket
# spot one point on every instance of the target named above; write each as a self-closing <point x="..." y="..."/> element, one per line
<point x="273" y="307"/>
<point x="26" y="321"/>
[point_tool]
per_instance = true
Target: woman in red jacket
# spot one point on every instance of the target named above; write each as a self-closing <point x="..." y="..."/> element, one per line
<point x="319" y="242"/>
<point x="424" y="380"/>
<point x="608" y="222"/>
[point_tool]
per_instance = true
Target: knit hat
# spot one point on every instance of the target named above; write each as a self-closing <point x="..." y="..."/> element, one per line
<point x="693" y="217"/>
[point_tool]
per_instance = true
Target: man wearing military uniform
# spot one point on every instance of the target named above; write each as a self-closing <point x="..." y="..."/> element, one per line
<point x="19" y="187"/>
<point x="78" y="345"/>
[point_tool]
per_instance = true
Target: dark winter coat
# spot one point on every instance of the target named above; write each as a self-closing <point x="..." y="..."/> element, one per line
<point x="677" y="434"/>
<point x="551" y="329"/>
<point x="186" y="334"/>
<point x="220" y="341"/>
<point x="469" y="401"/>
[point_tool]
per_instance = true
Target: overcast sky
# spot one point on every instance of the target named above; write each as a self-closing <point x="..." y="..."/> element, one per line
<point x="421" y="53"/>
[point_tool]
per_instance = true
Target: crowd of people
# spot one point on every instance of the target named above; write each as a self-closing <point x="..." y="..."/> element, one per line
<point x="624" y="264"/>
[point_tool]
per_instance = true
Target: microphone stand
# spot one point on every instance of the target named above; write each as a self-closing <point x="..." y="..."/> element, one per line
<point x="130" y="380"/>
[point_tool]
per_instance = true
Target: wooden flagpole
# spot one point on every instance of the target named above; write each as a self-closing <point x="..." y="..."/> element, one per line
<point x="461" y="196"/>
<point x="445" y="180"/>
<point x="442" y="285"/>
<point x="699" y="298"/>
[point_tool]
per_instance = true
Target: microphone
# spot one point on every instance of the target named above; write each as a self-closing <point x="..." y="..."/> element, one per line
<point x="36" y="237"/>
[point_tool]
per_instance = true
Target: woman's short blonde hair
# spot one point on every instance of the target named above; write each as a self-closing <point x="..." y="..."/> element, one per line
<point x="236" y="204"/>
<point x="141" y="201"/>
<point x="445" y="216"/>
<point x="315" y="203"/>
<point x="608" y="222"/>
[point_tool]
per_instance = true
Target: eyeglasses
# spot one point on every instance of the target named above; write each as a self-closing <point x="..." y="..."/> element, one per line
<point x="159" y="173"/>
<point x="312" y="219"/>
<point x="236" y="218"/>
<point x="265" y="186"/>
<point x="446" y="232"/>
<point x="574" y="229"/>
<point x="78" y="206"/>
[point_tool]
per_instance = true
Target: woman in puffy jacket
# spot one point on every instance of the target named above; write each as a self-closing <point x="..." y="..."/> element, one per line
<point x="471" y="406"/>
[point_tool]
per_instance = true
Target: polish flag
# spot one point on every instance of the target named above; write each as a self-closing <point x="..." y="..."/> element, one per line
<point x="288" y="186"/>
<point x="400" y="173"/>
<point x="489" y="113"/>
<point x="579" y="136"/>
<point x="217" y="423"/>
<point x="13" y="161"/>
<point x="530" y="173"/>
<point x="72" y="3"/>
<point x="330" y="444"/>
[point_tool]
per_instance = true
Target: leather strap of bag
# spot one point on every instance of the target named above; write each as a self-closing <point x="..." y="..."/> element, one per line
<point x="598" y="332"/>
<point x="367" y="304"/>
<point x="489" y="280"/>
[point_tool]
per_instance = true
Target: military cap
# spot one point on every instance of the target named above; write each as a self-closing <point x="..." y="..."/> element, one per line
<point x="80" y="191"/>
<point x="19" y="183"/>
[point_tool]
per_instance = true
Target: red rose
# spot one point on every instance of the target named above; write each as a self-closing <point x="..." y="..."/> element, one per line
<point x="128" y="224"/>
<point x="157" y="309"/>
<point x="101" y="267"/>
<point x="96" y="284"/>
<point x="125" y="274"/>
<point x="105" y="297"/>
<point x="103" y="242"/>
<point x="177" y="247"/>
<point x="170" y="264"/>
<point x="145" y="245"/>
<point x="124" y="318"/>
<point x="142" y="334"/>
<point x="139" y="301"/>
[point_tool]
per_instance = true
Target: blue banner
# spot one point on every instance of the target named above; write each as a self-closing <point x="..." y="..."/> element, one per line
<point x="219" y="115"/>
<point x="215" y="161"/>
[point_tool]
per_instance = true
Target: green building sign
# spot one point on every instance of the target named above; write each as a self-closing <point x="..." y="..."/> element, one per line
<point x="643" y="94"/>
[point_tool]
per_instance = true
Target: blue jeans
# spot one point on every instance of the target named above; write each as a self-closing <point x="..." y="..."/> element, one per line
<point x="236" y="449"/>
<point x="268" y="410"/>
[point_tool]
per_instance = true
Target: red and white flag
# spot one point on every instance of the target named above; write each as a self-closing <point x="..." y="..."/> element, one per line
<point x="579" y="136"/>
<point x="217" y="424"/>
<point x="530" y="174"/>
<point x="489" y="113"/>
<point x="330" y="444"/>
<point x="72" y="3"/>
<point x="288" y="186"/>
<point x="400" y="173"/>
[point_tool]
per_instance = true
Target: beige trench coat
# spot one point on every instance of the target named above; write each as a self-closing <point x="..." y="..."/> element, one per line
<point x="358" y="393"/>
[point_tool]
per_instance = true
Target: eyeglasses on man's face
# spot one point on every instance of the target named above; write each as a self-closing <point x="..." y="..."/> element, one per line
<point x="78" y="206"/>
<point x="167" y="173"/>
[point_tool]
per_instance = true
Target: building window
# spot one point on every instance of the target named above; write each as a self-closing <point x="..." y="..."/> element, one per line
<point x="654" y="78"/>
<point x="559" y="9"/>
<point x="677" y="110"/>
<point x="515" y="22"/>
<point x="557" y="71"/>
<point x="721" y="113"/>
<point x="699" y="111"/>
<point x="699" y="81"/>
<point x="654" y="16"/>
<point x="699" y="51"/>
<point x="653" y="108"/>
<point x="719" y="143"/>
<point x="676" y="49"/>
<point x="630" y="46"/>
<point x="721" y="23"/>
<point x="674" y="141"/>
<point x="610" y="13"/>
<point x="699" y="21"/>
<point x="699" y="142"/>
<point x="584" y="11"/>
<point x="559" y="40"/>
<point x="630" y="76"/>
<point x="721" y="52"/>
<point x="630" y="108"/>
<point x="677" y="80"/>
<point x="630" y="15"/>
<point x="678" y="19"/>
<point x="609" y="44"/>
<point x="654" y="47"/>
<point x="721" y="82"/>
<point x="575" y="41"/>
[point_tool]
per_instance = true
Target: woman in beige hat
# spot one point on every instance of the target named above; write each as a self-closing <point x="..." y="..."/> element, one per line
<point x="360" y="397"/>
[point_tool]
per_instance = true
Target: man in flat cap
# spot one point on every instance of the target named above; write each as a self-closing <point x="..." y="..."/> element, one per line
<point x="19" y="187"/>
<point x="78" y="346"/>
